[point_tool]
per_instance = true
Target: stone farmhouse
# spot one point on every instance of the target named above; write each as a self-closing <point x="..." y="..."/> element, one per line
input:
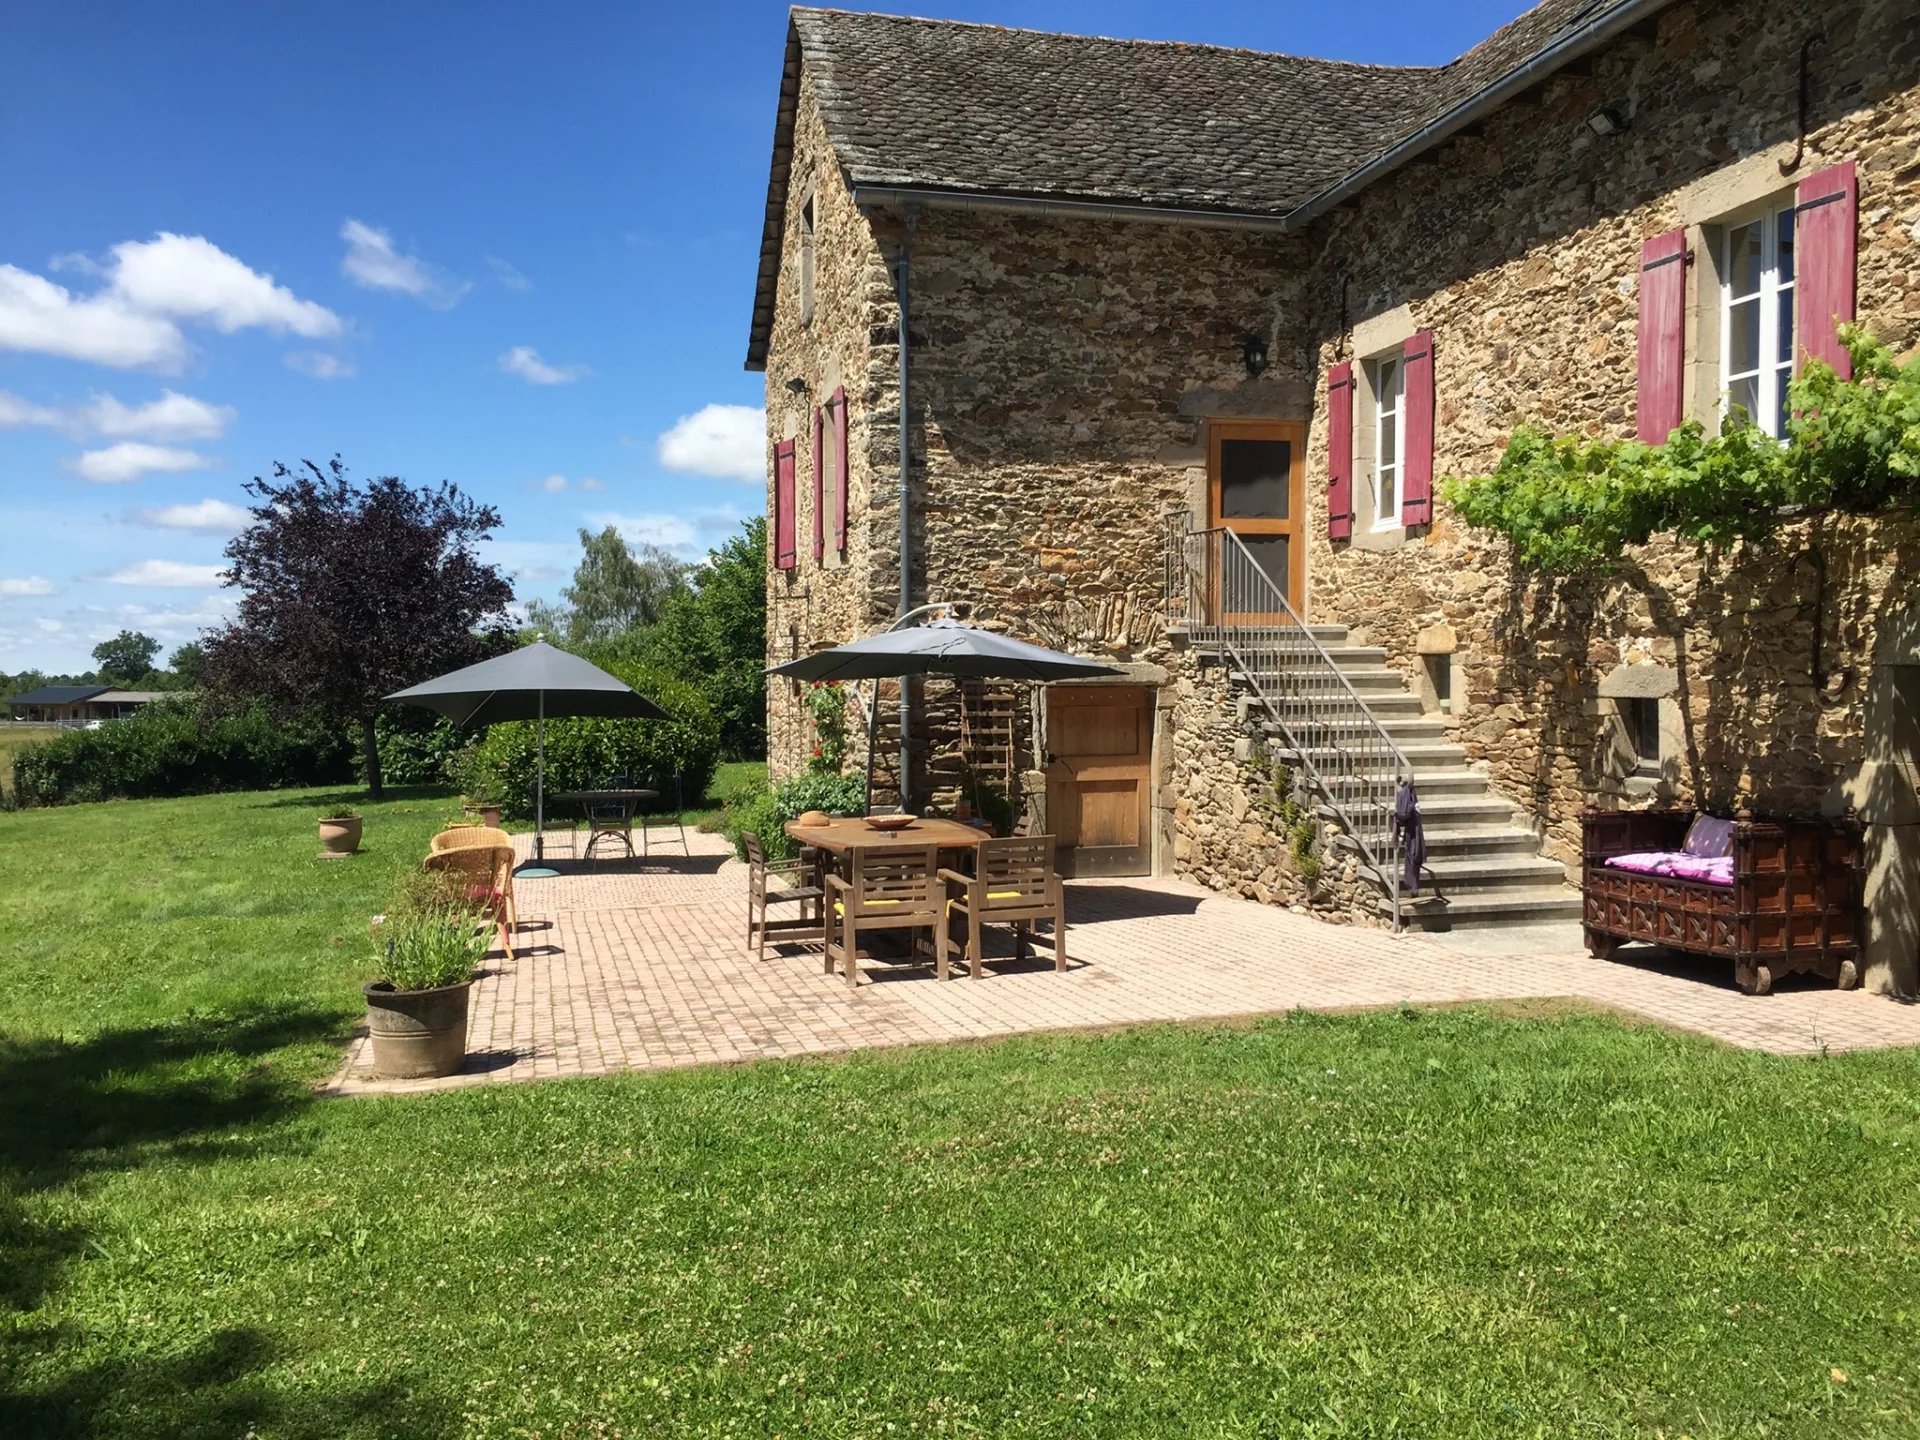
<point x="1153" y="311"/>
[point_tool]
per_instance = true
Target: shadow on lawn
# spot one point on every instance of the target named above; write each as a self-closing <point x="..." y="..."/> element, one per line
<point x="331" y="798"/>
<point x="214" y="1391"/>
<point x="198" y="1089"/>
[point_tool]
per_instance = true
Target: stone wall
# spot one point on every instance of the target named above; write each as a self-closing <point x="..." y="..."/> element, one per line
<point x="820" y="604"/>
<point x="1216" y="804"/>
<point x="1519" y="251"/>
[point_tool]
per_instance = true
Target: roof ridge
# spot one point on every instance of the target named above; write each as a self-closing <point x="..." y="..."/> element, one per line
<point x="899" y="18"/>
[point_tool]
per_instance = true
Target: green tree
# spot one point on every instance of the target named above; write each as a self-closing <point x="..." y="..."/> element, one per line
<point x="186" y="663"/>
<point x="615" y="589"/>
<point x="126" y="657"/>
<point x="351" y="591"/>
<point x="714" y="636"/>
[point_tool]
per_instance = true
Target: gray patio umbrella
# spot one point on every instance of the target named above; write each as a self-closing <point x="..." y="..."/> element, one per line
<point x="938" y="647"/>
<point x="530" y="683"/>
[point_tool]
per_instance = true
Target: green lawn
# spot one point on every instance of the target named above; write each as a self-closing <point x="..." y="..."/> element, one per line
<point x="1410" y="1224"/>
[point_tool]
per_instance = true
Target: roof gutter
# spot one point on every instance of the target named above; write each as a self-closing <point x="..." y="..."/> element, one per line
<point x="866" y="196"/>
<point x="1595" y="33"/>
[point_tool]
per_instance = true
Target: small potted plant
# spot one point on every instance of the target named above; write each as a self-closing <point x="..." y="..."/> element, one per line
<point x="339" y="833"/>
<point x="484" y="795"/>
<point x="430" y="944"/>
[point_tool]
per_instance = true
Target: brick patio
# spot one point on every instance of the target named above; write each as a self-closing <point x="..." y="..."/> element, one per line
<point x="642" y="965"/>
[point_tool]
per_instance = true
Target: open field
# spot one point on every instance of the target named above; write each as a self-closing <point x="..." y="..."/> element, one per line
<point x="1403" y="1223"/>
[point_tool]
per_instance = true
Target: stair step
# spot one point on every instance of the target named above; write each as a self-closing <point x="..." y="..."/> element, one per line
<point x="1439" y="783"/>
<point x="1493" y="908"/>
<point x="1402" y="727"/>
<point x="1481" y="841"/>
<point x="1454" y="876"/>
<point x="1343" y="656"/>
<point x="1434" y="757"/>
<point x="1454" y="812"/>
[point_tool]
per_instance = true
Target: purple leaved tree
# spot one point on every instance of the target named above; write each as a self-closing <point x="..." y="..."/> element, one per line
<point x="350" y="591"/>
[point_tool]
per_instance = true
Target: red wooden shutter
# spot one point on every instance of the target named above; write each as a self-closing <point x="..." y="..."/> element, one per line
<point x="1340" y="451"/>
<point x="841" y="461"/>
<point x="783" y="551"/>
<point x="819" y="486"/>
<point x="1825" y="241"/>
<point x="1416" y="480"/>
<point x="1663" y="319"/>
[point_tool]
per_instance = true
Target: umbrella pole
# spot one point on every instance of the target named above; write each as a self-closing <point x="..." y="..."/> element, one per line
<point x="873" y="726"/>
<point x="540" y="787"/>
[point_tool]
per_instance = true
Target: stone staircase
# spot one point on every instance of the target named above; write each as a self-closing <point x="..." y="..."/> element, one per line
<point x="1484" y="866"/>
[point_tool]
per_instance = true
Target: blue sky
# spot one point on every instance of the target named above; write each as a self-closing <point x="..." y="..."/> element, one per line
<point x="508" y="245"/>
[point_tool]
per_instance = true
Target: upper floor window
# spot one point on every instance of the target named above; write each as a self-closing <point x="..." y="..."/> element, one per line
<point x="1756" y="318"/>
<point x="1389" y="439"/>
<point x="806" y="262"/>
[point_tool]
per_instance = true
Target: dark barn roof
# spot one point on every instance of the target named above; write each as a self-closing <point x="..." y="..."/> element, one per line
<point x="944" y="106"/>
<point x="59" y="694"/>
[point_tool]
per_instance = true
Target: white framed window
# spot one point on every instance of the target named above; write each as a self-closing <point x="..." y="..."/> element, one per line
<point x="1389" y="439"/>
<point x="1756" y="317"/>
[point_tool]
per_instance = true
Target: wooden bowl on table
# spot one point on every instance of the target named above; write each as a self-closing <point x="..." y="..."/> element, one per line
<point x="890" y="823"/>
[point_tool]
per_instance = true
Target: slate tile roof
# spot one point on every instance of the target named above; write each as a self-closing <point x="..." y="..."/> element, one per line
<point x="947" y="105"/>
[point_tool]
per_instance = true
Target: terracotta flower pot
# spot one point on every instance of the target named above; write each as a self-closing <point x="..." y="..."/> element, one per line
<point x="339" y="838"/>
<point x="417" y="1034"/>
<point x="490" y="816"/>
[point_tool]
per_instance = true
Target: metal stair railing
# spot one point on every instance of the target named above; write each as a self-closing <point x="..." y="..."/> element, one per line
<point x="1223" y="597"/>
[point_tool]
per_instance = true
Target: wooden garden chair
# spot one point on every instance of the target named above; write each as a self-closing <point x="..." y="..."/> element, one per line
<point x="487" y="873"/>
<point x="769" y="884"/>
<point x="1013" y="884"/>
<point x="892" y="887"/>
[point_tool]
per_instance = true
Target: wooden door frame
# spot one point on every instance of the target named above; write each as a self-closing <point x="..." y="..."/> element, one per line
<point x="1294" y="432"/>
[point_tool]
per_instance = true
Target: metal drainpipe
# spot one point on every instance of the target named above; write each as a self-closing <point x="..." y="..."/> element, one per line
<point x="902" y="271"/>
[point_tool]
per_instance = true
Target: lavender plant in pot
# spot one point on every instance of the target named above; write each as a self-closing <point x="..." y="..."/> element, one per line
<point x="430" y="944"/>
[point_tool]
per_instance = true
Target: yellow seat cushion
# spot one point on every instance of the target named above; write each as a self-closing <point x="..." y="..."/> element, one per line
<point x="953" y="905"/>
<point x="840" y="906"/>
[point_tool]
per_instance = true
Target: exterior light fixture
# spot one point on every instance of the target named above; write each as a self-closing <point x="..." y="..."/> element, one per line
<point x="797" y="385"/>
<point x="1607" y="120"/>
<point x="1254" y="351"/>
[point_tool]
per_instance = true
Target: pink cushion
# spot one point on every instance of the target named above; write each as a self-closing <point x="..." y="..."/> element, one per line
<point x="1645" y="862"/>
<point x="1708" y="837"/>
<point x="1713" y="870"/>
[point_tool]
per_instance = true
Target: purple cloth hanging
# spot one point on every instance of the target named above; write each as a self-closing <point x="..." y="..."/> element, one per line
<point x="1412" y="833"/>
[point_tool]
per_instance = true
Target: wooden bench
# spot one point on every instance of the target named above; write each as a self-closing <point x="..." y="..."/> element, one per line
<point x="1792" y="905"/>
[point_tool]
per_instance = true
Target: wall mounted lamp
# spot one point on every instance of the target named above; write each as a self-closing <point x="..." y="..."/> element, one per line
<point x="1607" y="120"/>
<point x="797" y="386"/>
<point x="1254" y="351"/>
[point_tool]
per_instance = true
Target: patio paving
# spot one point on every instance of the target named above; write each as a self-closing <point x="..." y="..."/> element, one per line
<point x="642" y="965"/>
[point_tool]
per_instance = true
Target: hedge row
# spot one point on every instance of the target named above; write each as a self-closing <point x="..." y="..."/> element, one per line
<point x="176" y="748"/>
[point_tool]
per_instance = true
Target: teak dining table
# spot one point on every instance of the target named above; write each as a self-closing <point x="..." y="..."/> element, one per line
<point x="838" y="837"/>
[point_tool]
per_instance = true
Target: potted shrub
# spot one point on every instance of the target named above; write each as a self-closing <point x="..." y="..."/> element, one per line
<point x="339" y="833"/>
<point x="485" y="796"/>
<point x="430" y="944"/>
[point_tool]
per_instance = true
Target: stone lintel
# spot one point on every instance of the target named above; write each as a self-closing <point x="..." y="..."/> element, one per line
<point x="1639" y="682"/>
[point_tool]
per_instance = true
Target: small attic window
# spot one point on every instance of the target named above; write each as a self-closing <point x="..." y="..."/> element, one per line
<point x="806" y="262"/>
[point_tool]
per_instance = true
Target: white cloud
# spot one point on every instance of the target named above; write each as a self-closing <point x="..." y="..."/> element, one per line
<point x="149" y="286"/>
<point x="130" y="459"/>
<point x="15" y="412"/>
<point x="191" y="278"/>
<point x="508" y="275"/>
<point x="554" y="484"/>
<point x="372" y="262"/>
<point x="320" y="365"/>
<point x="17" y="585"/>
<point x="172" y="417"/>
<point x="727" y="442"/>
<point x="593" y="483"/>
<point x="219" y="517"/>
<point x="673" y="532"/>
<point x="169" y="573"/>
<point x="48" y="319"/>
<point x="525" y="361"/>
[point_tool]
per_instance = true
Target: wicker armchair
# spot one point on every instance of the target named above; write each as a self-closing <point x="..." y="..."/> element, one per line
<point x="461" y="834"/>
<point x="487" y="872"/>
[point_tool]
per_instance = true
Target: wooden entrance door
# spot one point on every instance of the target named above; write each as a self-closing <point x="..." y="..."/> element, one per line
<point x="1099" y="777"/>
<point x="1256" y="487"/>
